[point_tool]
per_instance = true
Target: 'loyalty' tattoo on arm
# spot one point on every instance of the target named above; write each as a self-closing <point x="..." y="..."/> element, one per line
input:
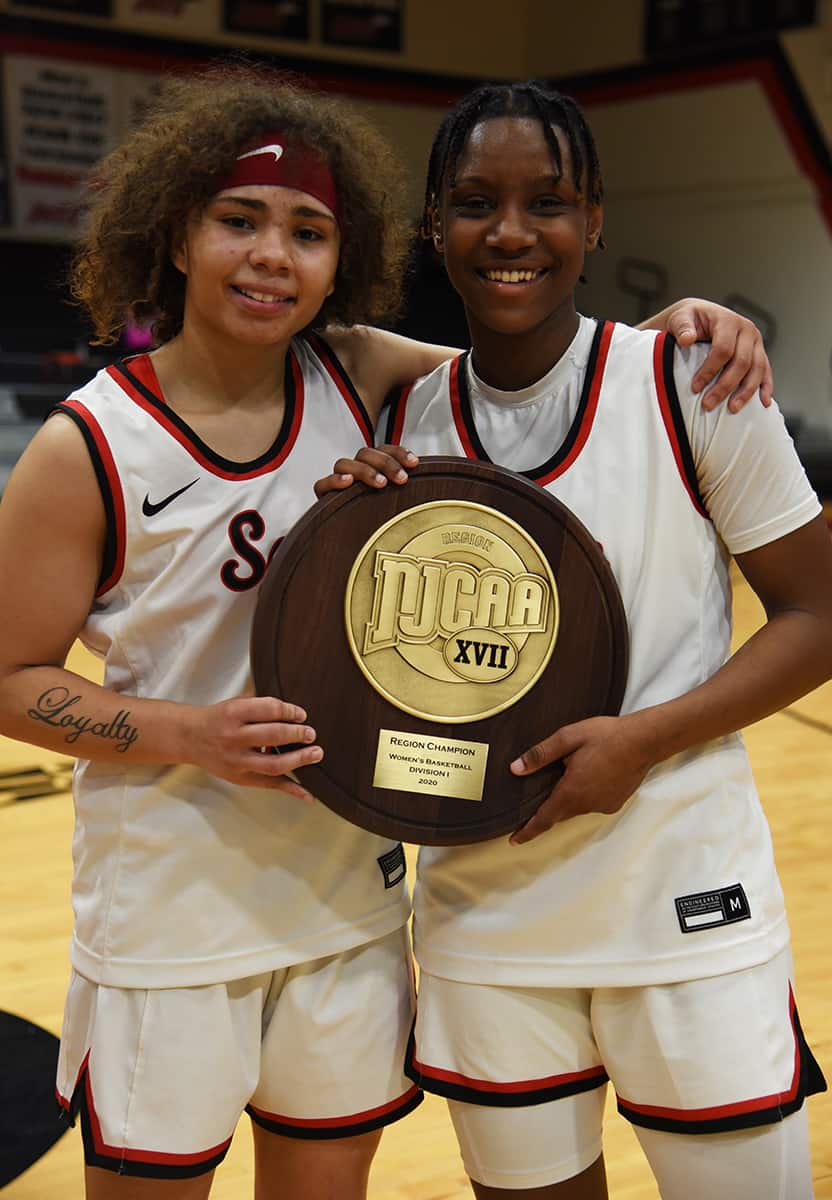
<point x="52" y="707"/>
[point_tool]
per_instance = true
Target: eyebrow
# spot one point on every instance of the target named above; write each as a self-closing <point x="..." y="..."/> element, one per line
<point x="484" y="179"/>
<point x="300" y="210"/>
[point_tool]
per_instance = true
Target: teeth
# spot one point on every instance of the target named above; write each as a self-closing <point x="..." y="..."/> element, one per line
<point x="263" y="297"/>
<point x="511" y="276"/>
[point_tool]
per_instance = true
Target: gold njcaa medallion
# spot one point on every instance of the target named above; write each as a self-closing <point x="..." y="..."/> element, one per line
<point x="451" y="611"/>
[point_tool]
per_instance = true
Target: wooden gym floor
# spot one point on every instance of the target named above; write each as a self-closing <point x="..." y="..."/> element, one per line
<point x="791" y="753"/>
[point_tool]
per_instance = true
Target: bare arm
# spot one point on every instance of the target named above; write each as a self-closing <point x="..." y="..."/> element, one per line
<point x="606" y="758"/>
<point x="52" y="530"/>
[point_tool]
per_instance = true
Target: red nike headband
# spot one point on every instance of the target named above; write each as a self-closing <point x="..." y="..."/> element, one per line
<point x="274" y="160"/>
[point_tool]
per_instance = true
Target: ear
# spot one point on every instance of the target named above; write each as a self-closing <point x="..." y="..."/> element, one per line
<point x="594" y="226"/>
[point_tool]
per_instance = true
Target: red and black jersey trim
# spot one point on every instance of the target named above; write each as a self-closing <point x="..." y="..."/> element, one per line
<point x="345" y="385"/>
<point x="514" y="1094"/>
<point x="123" y="1160"/>
<point x="109" y="484"/>
<point x="137" y="378"/>
<point x="807" y="1080"/>
<point x="396" y="412"/>
<point x="663" y="352"/>
<point x="338" y="1127"/>
<point x="578" y="432"/>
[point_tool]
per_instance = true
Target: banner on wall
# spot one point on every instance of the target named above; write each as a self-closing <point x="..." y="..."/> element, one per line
<point x="177" y="18"/>
<point x="373" y="25"/>
<point x="61" y="117"/>
<point x="78" y="8"/>
<point x="273" y="18"/>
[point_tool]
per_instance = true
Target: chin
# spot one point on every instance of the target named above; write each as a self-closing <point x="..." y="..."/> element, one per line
<point x="511" y="324"/>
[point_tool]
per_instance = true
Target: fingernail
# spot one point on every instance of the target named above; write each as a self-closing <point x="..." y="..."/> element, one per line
<point x="400" y="476"/>
<point x="309" y="734"/>
<point x="315" y="755"/>
<point x="379" y="479"/>
<point x="300" y="714"/>
<point x="344" y="478"/>
<point x="411" y="458"/>
<point x="517" y="765"/>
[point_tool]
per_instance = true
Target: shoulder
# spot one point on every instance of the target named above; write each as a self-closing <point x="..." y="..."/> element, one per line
<point x="54" y="483"/>
<point x="628" y="337"/>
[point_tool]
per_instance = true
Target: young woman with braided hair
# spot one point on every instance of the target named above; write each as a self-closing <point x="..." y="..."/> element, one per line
<point x="633" y="930"/>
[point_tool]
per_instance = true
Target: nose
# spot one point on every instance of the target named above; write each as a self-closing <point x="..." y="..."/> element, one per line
<point x="511" y="230"/>
<point x="271" y="249"/>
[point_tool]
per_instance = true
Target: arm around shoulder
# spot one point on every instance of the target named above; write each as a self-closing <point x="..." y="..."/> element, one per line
<point x="378" y="361"/>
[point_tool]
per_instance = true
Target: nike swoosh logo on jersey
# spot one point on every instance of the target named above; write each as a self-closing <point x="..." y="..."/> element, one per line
<point x="150" y="509"/>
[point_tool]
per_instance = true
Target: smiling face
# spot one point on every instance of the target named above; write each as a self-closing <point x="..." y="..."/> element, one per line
<point x="259" y="262"/>
<point x="514" y="233"/>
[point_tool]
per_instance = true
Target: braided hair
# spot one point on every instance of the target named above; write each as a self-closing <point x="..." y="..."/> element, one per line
<point x="530" y="99"/>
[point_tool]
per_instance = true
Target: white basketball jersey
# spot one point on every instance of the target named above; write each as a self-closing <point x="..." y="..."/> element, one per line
<point x="182" y="878"/>
<point x="681" y="882"/>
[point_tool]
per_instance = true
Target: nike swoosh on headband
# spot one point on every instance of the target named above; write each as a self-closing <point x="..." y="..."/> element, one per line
<point x="274" y="149"/>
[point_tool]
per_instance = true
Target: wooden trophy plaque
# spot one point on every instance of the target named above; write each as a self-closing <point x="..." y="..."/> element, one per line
<point x="433" y="632"/>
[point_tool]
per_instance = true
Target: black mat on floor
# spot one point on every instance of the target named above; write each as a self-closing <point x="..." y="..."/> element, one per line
<point x="29" y="1120"/>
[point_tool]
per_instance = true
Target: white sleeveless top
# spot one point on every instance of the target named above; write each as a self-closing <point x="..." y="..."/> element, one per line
<point x="182" y="878"/>
<point x="681" y="882"/>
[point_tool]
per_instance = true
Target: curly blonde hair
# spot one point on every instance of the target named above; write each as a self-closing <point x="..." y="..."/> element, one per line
<point x="142" y="194"/>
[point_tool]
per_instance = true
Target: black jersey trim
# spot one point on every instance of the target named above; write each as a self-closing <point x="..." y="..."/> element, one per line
<point x="191" y="440"/>
<point x="349" y="1127"/>
<point x="321" y="347"/>
<point x="810" y="1081"/>
<point x="396" y="405"/>
<point x="574" y="432"/>
<point x="110" y="555"/>
<point x="677" y="431"/>
<point x="495" y="1095"/>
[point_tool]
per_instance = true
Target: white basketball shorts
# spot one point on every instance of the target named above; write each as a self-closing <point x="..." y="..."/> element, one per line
<point x="315" y="1050"/>
<point x="525" y="1069"/>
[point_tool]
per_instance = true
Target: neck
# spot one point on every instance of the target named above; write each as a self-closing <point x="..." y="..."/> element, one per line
<point x="513" y="361"/>
<point x="214" y="376"/>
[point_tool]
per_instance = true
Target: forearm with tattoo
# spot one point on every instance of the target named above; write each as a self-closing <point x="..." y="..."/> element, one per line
<point x="56" y="707"/>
